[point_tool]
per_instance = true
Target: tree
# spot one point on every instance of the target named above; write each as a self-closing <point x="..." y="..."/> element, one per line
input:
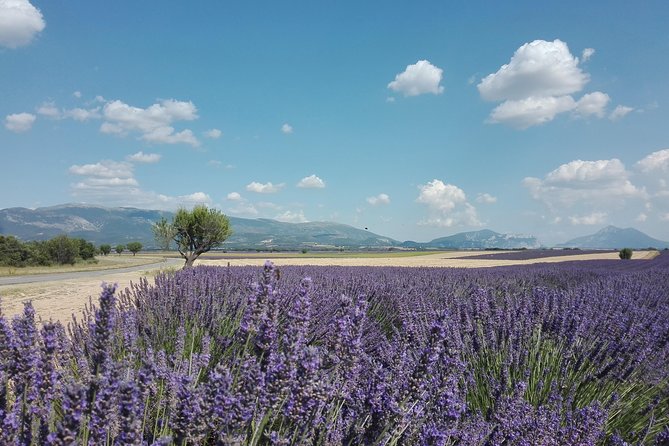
<point x="196" y="232"/>
<point x="105" y="249"/>
<point x="134" y="247"/>
<point x="63" y="249"/>
<point x="163" y="232"/>
<point x="625" y="254"/>
<point x="119" y="249"/>
<point x="86" y="249"/>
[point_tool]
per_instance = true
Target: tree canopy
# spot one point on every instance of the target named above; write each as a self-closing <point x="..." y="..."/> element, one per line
<point x="194" y="232"/>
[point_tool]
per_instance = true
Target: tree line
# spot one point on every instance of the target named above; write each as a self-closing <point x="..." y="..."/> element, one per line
<point x="60" y="250"/>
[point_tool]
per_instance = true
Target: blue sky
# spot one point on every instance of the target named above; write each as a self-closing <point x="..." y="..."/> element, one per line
<point x="413" y="119"/>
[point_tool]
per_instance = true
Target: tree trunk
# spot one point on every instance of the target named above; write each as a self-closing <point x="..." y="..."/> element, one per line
<point x="190" y="260"/>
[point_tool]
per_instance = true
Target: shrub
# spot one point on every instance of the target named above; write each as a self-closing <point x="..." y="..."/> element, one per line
<point x="625" y="253"/>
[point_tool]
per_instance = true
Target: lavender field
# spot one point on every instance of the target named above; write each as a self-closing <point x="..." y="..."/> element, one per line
<point x="566" y="354"/>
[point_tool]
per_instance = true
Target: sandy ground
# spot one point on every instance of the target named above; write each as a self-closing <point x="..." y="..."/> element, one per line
<point x="59" y="300"/>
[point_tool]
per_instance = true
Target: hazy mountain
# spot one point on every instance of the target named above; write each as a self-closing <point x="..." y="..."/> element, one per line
<point x="611" y="237"/>
<point x="483" y="239"/>
<point x="121" y="225"/>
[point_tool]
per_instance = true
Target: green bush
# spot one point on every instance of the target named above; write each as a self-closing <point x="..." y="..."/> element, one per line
<point x="625" y="253"/>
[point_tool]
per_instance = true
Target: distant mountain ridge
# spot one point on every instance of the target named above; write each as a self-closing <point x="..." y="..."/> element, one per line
<point x="483" y="239"/>
<point x="121" y="225"/>
<point x="612" y="237"/>
<point x="100" y="224"/>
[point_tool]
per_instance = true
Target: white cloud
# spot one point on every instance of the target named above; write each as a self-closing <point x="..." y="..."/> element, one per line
<point x="287" y="129"/>
<point x="587" y="54"/>
<point x="82" y="114"/>
<point x="378" y="200"/>
<point x="586" y="187"/>
<point x="49" y="110"/>
<point x="20" y="21"/>
<point x="113" y="183"/>
<point x="244" y="208"/>
<point x="595" y="218"/>
<point x="154" y="123"/>
<point x="419" y="78"/>
<point x="537" y="85"/>
<point x="311" y="182"/>
<point x="292" y="217"/>
<point x="266" y="188"/>
<point x="620" y="112"/>
<point x="213" y="133"/>
<point x="19" y="122"/>
<point x="538" y="68"/>
<point x="486" y="198"/>
<point x="104" y="169"/>
<point x="234" y="196"/>
<point x="77" y="94"/>
<point x="447" y="205"/>
<point x="531" y="111"/>
<point x="147" y="158"/>
<point x="641" y="218"/>
<point x="592" y="104"/>
<point x="656" y="161"/>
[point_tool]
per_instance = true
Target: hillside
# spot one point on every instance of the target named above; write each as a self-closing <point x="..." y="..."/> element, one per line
<point x="612" y="237"/>
<point x="121" y="225"/>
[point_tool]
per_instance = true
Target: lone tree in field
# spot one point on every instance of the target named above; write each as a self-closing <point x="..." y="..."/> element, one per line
<point x="105" y="249"/>
<point x="134" y="247"/>
<point x="119" y="249"/>
<point x="194" y="232"/>
<point x="625" y="254"/>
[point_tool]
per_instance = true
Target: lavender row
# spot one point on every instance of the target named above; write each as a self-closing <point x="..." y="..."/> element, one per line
<point x="333" y="355"/>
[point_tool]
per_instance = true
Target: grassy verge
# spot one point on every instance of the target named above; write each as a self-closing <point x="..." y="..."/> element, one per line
<point x="102" y="262"/>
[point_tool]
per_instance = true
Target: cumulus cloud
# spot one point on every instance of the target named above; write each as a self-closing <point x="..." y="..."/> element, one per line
<point x="287" y="129"/>
<point x="292" y="217"/>
<point x="531" y="111"/>
<point x="82" y="114"/>
<point x="538" y="68"/>
<point x="19" y="122"/>
<point x="311" y="182"/>
<point x="419" y="78"/>
<point x="113" y="183"/>
<point x="538" y="84"/>
<point x="656" y="161"/>
<point x="147" y="158"/>
<point x="234" y="196"/>
<point x="378" y="200"/>
<point x="595" y="218"/>
<point x="103" y="169"/>
<point x="587" y="190"/>
<point x="213" y="133"/>
<point x="20" y="22"/>
<point x="486" y="198"/>
<point x="447" y="205"/>
<point x="592" y="104"/>
<point x="154" y="123"/>
<point x="50" y="110"/>
<point x="620" y="112"/>
<point x="587" y="54"/>
<point x="264" y="188"/>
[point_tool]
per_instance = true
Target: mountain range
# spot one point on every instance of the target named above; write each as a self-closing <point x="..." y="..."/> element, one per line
<point x="612" y="237"/>
<point x="99" y="225"/>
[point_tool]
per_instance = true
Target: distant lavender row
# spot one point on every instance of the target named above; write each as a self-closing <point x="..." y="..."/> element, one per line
<point x="550" y="355"/>
<point x="529" y="254"/>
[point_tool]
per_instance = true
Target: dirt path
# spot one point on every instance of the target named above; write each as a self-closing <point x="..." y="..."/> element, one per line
<point x="59" y="299"/>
